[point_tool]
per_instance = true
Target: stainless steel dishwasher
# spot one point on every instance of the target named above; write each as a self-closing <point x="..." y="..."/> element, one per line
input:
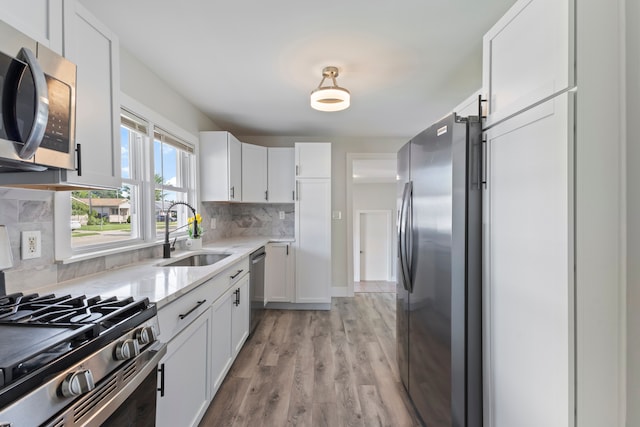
<point x="256" y="288"/>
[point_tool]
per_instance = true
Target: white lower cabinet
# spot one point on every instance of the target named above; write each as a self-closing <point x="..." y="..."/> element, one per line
<point x="204" y="331"/>
<point x="184" y="395"/>
<point x="221" y="354"/>
<point x="230" y="330"/>
<point x="279" y="273"/>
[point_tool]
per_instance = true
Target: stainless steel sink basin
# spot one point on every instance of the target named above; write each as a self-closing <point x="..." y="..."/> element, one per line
<point x="198" y="260"/>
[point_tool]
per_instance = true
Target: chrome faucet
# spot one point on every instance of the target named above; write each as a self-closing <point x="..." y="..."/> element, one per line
<point x="166" y="247"/>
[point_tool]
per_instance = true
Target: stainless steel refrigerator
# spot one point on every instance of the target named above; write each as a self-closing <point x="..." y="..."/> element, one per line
<point x="438" y="317"/>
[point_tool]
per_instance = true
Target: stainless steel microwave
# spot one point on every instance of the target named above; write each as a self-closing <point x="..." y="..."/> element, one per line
<point x="38" y="104"/>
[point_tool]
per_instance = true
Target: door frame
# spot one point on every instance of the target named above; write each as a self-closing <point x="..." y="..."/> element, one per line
<point x="356" y="241"/>
<point x="349" y="181"/>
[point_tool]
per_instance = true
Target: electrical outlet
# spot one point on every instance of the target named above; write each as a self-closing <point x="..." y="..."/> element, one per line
<point x="281" y="214"/>
<point x="31" y="244"/>
<point x="213" y="224"/>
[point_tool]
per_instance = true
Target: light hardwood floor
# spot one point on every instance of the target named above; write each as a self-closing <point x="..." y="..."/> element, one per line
<point x="318" y="368"/>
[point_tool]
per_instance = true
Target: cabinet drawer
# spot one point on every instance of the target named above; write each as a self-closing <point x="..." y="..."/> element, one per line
<point x="179" y="314"/>
<point x="528" y="56"/>
<point x="236" y="272"/>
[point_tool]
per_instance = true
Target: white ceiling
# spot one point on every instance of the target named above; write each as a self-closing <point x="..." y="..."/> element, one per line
<point x="251" y="65"/>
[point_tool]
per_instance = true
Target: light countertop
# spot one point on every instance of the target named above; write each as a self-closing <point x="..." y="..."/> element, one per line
<point x="158" y="283"/>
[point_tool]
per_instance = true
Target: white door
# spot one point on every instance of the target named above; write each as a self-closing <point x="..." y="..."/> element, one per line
<point x="374" y="245"/>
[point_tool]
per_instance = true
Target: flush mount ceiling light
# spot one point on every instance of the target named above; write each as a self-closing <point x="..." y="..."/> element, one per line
<point x="330" y="98"/>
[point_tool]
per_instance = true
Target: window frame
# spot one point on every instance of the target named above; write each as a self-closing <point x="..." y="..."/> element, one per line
<point x="146" y="191"/>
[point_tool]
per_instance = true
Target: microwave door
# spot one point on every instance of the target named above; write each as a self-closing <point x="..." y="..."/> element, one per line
<point x="25" y="99"/>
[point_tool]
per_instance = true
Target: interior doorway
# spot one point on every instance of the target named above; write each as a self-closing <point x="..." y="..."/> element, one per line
<point x="371" y="186"/>
<point x="372" y="245"/>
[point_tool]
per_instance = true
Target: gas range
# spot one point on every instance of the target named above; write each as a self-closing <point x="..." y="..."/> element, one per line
<point x="59" y="352"/>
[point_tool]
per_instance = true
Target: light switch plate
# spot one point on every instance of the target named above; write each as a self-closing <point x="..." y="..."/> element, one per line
<point x="336" y="215"/>
<point x="31" y="246"/>
<point x="213" y="224"/>
<point x="281" y="213"/>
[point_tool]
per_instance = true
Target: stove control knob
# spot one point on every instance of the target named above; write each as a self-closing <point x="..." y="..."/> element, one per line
<point x="146" y="335"/>
<point x="77" y="383"/>
<point x="127" y="349"/>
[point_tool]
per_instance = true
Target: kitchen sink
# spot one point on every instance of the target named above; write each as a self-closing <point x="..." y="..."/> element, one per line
<point x="198" y="260"/>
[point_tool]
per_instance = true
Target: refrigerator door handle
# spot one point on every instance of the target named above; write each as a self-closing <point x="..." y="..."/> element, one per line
<point x="408" y="250"/>
<point x="402" y="238"/>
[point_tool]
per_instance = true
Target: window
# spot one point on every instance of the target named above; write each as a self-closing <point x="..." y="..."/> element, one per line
<point x="173" y="177"/>
<point x="158" y="169"/>
<point x="111" y="216"/>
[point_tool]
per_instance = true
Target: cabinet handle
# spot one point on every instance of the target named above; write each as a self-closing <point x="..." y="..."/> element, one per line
<point x="79" y="159"/>
<point x="266" y="195"/>
<point x="236" y="275"/>
<point x="233" y="192"/>
<point x="287" y="250"/>
<point x="297" y="170"/>
<point x="297" y="191"/>
<point x="182" y="316"/>
<point x="237" y="301"/>
<point x="161" y="372"/>
<point x="293" y="195"/>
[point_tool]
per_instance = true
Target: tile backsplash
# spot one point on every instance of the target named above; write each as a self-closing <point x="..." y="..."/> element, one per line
<point x="26" y="210"/>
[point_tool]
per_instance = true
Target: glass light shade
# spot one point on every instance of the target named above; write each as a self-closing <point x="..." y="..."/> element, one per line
<point x="332" y="98"/>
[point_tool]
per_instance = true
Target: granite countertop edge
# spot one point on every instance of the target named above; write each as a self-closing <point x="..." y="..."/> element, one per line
<point x="161" y="284"/>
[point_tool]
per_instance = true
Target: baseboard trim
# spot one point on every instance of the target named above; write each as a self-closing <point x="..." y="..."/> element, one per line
<point x="297" y="306"/>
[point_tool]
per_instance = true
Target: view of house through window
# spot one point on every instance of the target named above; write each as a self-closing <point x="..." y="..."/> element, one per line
<point x="108" y="217"/>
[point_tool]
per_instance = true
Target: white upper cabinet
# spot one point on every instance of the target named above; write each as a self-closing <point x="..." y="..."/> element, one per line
<point x="39" y="19"/>
<point x="528" y="56"/>
<point x="254" y="173"/>
<point x="220" y="167"/>
<point x="313" y="159"/>
<point x="94" y="49"/>
<point x="281" y="170"/>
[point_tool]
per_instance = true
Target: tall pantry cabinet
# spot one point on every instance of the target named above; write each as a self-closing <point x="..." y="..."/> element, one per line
<point x="529" y="217"/>
<point x="313" y="223"/>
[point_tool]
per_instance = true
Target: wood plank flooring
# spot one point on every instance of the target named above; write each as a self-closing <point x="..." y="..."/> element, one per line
<point x="318" y="368"/>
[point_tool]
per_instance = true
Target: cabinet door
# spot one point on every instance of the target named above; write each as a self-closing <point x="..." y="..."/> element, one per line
<point x="240" y="315"/>
<point x="94" y="49"/>
<point x="313" y="159"/>
<point x="39" y="19"/>
<point x="529" y="284"/>
<point x="235" y="169"/>
<point x="185" y="369"/>
<point x="528" y="56"/>
<point x="313" y="241"/>
<point x="220" y="167"/>
<point x="281" y="171"/>
<point x="254" y="173"/>
<point x="221" y="350"/>
<point x="278" y="280"/>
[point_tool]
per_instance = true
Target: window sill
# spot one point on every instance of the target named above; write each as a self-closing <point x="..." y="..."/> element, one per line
<point x="112" y="251"/>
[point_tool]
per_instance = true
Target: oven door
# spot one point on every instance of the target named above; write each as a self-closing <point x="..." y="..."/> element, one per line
<point x="127" y="397"/>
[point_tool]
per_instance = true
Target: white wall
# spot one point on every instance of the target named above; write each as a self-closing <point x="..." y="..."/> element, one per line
<point x="600" y="210"/>
<point x="378" y="197"/>
<point x="339" y="149"/>
<point x="142" y="84"/>
<point x="633" y="212"/>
